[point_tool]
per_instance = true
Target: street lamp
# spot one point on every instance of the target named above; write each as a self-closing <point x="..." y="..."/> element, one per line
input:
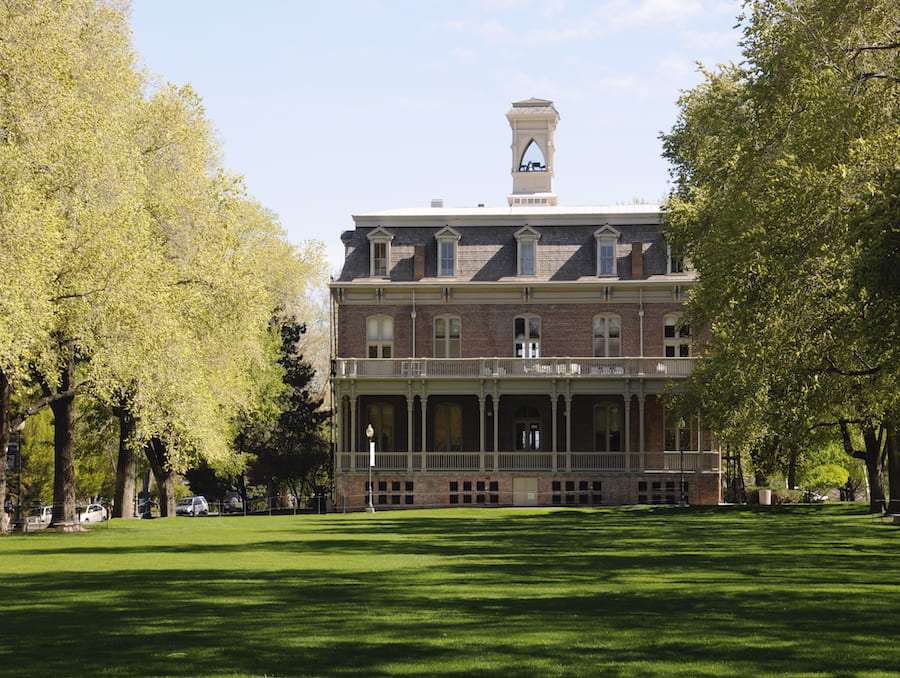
<point x="682" y="500"/>
<point x="370" y="434"/>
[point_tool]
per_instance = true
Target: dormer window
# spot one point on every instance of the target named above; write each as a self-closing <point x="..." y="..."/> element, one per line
<point x="447" y="241"/>
<point x="527" y="239"/>
<point x="607" y="238"/>
<point x="379" y="252"/>
<point x="675" y="260"/>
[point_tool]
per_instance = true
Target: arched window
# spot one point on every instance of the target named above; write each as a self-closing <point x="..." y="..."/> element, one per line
<point x="448" y="427"/>
<point x="607" y="428"/>
<point x="676" y="337"/>
<point x="447" y="337"/>
<point x="532" y="159"/>
<point x="379" y="336"/>
<point x="607" y="336"/>
<point x="527" y="336"/>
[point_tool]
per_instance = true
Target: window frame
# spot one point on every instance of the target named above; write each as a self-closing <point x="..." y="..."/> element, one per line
<point x="609" y="414"/>
<point x="606" y="237"/>
<point x="443" y="345"/>
<point x="676" y="264"/>
<point x="605" y="338"/>
<point x="527" y="243"/>
<point x="527" y="345"/>
<point x="679" y="339"/>
<point x="380" y="341"/>
<point x="449" y="238"/>
<point x="448" y="427"/>
<point x="379" y="238"/>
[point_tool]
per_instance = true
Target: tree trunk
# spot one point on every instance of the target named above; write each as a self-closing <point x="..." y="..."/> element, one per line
<point x="893" y="463"/>
<point x="64" y="448"/>
<point x="165" y="479"/>
<point x="792" y="468"/>
<point x="875" y="468"/>
<point x="871" y="455"/>
<point x="4" y="439"/>
<point x="126" y="467"/>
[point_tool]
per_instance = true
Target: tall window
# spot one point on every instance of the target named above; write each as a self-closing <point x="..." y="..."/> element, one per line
<point x="381" y="417"/>
<point x="676" y="337"/>
<point x="607" y="428"/>
<point x="527" y="331"/>
<point x="685" y="429"/>
<point x="446" y="337"/>
<point x="379" y="258"/>
<point x="448" y="427"/>
<point x="675" y="260"/>
<point x="379" y="336"/>
<point x="527" y="240"/>
<point x="607" y="336"/>
<point x="447" y="241"/>
<point x="607" y="238"/>
<point x="380" y="252"/>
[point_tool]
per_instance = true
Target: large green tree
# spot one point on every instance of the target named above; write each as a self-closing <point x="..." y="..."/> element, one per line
<point x="777" y="164"/>
<point x="68" y="89"/>
<point x="292" y="448"/>
<point x="137" y="270"/>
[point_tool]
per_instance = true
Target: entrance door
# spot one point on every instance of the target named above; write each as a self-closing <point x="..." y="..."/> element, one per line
<point x="525" y="491"/>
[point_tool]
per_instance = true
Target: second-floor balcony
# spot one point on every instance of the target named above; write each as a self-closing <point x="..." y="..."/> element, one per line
<point x="523" y="368"/>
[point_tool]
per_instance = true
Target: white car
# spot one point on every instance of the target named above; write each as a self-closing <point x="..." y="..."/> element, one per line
<point x="40" y="517"/>
<point x="192" y="506"/>
<point x="92" y="513"/>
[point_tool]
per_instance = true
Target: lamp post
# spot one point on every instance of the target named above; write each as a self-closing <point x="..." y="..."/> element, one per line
<point x="370" y="434"/>
<point x="682" y="499"/>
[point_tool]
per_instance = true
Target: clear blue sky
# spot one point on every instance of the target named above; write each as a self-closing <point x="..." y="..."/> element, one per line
<point x="336" y="107"/>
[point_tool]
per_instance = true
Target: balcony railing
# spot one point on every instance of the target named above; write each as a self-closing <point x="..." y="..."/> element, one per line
<point x="496" y="368"/>
<point x="562" y="462"/>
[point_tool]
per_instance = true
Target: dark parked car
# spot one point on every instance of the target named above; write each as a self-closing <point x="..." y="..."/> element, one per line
<point x="233" y="503"/>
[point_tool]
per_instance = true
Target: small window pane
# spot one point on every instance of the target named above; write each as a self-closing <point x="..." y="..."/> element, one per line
<point x="372" y="329"/>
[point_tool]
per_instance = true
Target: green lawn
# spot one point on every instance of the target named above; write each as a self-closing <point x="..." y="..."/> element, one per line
<point x="796" y="591"/>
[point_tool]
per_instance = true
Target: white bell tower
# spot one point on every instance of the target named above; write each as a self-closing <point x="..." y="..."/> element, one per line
<point x="533" y="122"/>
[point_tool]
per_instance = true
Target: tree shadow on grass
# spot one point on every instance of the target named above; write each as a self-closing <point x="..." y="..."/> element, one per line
<point x="563" y="593"/>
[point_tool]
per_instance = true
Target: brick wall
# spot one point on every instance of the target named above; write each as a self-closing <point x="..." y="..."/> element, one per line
<point x="487" y="331"/>
<point x="395" y="491"/>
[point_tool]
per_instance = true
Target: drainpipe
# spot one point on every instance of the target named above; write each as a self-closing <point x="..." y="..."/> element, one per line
<point x="413" y="316"/>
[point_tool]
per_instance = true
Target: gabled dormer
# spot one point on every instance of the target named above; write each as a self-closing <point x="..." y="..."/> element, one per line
<point x="447" y="250"/>
<point x="527" y="250"/>
<point x="380" y="252"/>
<point x="607" y="238"/>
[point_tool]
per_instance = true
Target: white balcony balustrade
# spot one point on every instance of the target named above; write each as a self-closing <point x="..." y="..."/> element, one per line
<point x="547" y="368"/>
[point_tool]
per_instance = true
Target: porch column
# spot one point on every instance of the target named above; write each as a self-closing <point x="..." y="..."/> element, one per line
<point x="699" y="443"/>
<point x="554" y="424"/>
<point x="339" y="425"/>
<point x="481" y="433"/>
<point x="627" y="431"/>
<point x="424" y="431"/>
<point x="641" y="399"/>
<point x="568" y="412"/>
<point x="410" y="400"/>
<point x="352" y="423"/>
<point x="496" y="404"/>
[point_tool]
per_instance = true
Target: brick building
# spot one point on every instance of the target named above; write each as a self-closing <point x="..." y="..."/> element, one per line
<point x="514" y="355"/>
